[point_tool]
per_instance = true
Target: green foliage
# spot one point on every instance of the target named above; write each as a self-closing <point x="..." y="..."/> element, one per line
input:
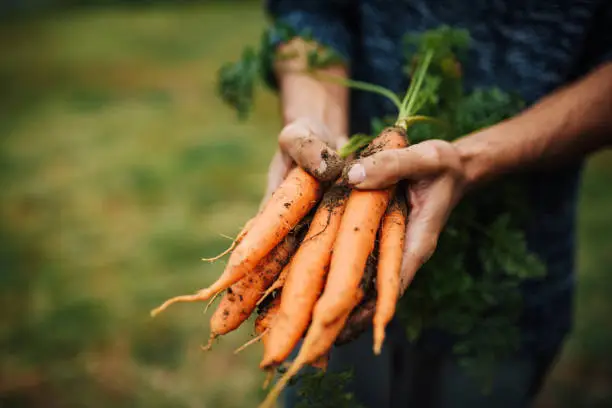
<point x="445" y="40"/>
<point x="236" y="83"/>
<point x="444" y="73"/>
<point x="470" y="286"/>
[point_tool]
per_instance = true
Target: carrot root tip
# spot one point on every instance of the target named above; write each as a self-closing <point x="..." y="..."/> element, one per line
<point x="201" y="295"/>
<point x="209" y="345"/>
<point x="379" y="338"/>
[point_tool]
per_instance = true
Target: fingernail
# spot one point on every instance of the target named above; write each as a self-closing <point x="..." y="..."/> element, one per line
<point x="356" y="174"/>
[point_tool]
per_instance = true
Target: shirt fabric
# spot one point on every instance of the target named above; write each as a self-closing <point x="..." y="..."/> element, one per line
<point x="527" y="46"/>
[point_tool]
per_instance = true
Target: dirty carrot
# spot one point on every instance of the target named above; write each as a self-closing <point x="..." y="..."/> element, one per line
<point x="306" y="277"/>
<point x="391" y="247"/>
<point x="354" y="243"/>
<point x="356" y="236"/>
<point x="291" y="201"/>
<point x="241" y="298"/>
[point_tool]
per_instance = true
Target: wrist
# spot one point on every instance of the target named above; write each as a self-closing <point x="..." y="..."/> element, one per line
<point x="303" y="97"/>
<point x="476" y="152"/>
<point x="306" y="97"/>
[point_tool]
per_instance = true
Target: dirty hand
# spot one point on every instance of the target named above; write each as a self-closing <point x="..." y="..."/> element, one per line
<point x="435" y="179"/>
<point x="309" y="144"/>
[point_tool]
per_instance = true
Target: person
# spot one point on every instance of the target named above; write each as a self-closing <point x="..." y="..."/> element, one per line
<point x="558" y="56"/>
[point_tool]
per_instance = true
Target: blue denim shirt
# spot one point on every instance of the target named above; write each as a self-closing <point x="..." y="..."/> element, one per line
<point x="527" y="46"/>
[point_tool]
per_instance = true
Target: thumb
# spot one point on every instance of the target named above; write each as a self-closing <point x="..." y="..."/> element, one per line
<point x="385" y="168"/>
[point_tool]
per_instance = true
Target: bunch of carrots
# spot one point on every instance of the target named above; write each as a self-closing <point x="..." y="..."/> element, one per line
<point x="317" y="277"/>
<point x="302" y="262"/>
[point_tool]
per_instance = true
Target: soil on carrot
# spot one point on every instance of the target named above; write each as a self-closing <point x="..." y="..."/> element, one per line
<point x="334" y="166"/>
<point x="369" y="273"/>
<point x="359" y="320"/>
<point x="335" y="196"/>
<point x="332" y="199"/>
<point x="361" y="316"/>
<point x="399" y="201"/>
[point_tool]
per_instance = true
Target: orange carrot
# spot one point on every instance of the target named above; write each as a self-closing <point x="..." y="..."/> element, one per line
<point x="241" y="298"/>
<point x="391" y="248"/>
<point x="291" y="201"/>
<point x="356" y="237"/>
<point x="306" y="278"/>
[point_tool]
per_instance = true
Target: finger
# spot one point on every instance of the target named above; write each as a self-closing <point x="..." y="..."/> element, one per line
<point x="306" y="144"/>
<point x="425" y="223"/>
<point x="359" y="321"/>
<point x="387" y="167"/>
<point x="277" y="171"/>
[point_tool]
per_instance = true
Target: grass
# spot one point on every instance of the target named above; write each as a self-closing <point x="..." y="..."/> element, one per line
<point x="120" y="170"/>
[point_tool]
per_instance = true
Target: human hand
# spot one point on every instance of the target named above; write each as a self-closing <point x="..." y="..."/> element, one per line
<point x="436" y="181"/>
<point x="309" y="144"/>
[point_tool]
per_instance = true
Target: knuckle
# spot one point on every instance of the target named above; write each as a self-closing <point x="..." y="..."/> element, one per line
<point x="289" y="133"/>
<point x="443" y="155"/>
<point x="432" y="151"/>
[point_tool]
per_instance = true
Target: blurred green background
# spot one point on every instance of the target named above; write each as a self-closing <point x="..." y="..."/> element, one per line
<point x="120" y="169"/>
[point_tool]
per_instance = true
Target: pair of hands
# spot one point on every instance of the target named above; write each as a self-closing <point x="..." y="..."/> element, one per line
<point x="436" y="182"/>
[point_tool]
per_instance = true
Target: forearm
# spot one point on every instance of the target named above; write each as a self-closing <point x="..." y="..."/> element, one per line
<point x="303" y="96"/>
<point x="566" y="125"/>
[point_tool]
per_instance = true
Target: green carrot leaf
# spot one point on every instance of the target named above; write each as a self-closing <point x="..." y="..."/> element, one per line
<point x="237" y="82"/>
